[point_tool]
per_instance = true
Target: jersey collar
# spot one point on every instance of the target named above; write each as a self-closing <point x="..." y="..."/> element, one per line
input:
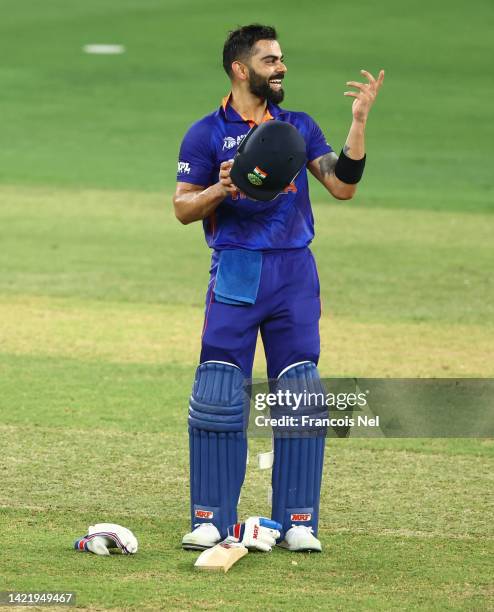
<point x="230" y="114"/>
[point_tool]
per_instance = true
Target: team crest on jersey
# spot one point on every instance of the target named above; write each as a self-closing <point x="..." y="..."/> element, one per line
<point x="230" y="142"/>
<point x="257" y="176"/>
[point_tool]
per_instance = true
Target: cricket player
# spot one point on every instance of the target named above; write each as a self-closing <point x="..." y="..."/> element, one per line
<point x="263" y="278"/>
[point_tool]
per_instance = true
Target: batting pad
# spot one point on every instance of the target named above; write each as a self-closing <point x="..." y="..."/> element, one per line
<point x="217" y="442"/>
<point x="299" y="452"/>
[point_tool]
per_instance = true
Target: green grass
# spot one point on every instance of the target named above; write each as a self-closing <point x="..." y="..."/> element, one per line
<point x="127" y="246"/>
<point x="101" y="300"/>
<point x="117" y="121"/>
<point x="419" y="546"/>
<point x="99" y="344"/>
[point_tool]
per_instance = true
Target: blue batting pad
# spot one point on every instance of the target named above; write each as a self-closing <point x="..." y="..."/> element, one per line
<point x="217" y="442"/>
<point x="299" y="453"/>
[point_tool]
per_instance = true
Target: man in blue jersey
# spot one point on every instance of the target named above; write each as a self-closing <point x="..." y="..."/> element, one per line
<point x="263" y="278"/>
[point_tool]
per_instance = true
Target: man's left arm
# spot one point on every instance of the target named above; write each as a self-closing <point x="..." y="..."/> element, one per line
<point x="340" y="175"/>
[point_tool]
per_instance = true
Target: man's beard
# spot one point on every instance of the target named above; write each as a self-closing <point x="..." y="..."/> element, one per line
<point x="261" y="88"/>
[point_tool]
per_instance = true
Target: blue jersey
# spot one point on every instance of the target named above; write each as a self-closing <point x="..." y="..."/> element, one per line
<point x="287" y="221"/>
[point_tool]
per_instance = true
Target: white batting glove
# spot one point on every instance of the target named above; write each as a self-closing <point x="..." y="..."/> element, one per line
<point x="103" y="536"/>
<point x="257" y="533"/>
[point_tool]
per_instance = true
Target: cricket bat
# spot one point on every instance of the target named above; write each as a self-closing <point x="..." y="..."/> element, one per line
<point x="221" y="557"/>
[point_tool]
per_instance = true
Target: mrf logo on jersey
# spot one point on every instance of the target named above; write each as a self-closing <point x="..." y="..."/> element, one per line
<point x="183" y="167"/>
<point x="204" y="514"/>
<point x="301" y="518"/>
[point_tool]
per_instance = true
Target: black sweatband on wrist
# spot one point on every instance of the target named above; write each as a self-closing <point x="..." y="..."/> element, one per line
<point x="349" y="170"/>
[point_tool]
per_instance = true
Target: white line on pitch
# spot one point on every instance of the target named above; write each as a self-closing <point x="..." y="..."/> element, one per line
<point x="104" y="49"/>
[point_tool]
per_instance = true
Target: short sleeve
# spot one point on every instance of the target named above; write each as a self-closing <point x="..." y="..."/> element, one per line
<point x="196" y="160"/>
<point x="317" y="144"/>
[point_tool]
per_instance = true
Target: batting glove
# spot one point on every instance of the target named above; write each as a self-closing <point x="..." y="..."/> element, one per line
<point x="102" y="536"/>
<point x="257" y="533"/>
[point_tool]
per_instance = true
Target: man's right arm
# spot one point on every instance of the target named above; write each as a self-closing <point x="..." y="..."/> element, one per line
<point x="196" y="202"/>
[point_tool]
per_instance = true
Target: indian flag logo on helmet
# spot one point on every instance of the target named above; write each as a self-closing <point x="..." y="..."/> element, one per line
<point x="257" y="176"/>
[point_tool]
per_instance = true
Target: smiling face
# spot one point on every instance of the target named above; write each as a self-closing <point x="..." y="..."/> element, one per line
<point x="266" y="71"/>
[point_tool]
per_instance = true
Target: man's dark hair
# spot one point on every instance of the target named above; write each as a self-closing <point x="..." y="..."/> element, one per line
<point x="240" y="42"/>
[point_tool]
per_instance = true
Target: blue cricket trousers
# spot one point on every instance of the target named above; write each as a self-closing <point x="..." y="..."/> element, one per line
<point x="287" y="312"/>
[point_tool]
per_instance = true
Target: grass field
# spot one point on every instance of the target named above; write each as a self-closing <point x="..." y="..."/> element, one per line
<point x="101" y="300"/>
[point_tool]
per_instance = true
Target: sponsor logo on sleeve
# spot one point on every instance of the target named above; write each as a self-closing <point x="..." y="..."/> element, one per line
<point x="183" y="167"/>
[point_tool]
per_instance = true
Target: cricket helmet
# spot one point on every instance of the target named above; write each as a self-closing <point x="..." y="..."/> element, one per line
<point x="268" y="160"/>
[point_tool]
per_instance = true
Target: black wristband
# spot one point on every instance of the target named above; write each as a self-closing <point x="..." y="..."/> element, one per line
<point x="349" y="170"/>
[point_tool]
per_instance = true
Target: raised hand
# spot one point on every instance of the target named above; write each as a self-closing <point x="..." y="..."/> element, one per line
<point x="365" y="96"/>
